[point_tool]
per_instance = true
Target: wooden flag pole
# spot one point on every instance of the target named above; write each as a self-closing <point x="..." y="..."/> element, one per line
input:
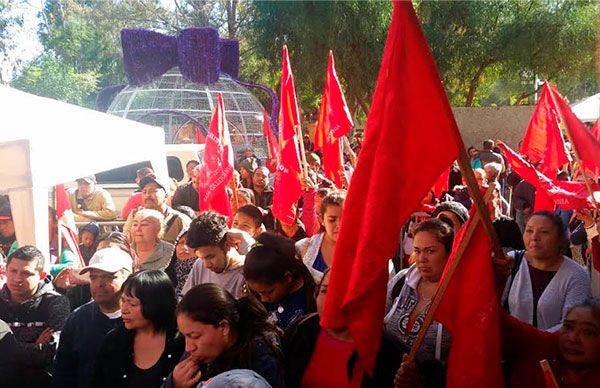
<point x="482" y="215"/>
<point x="548" y="372"/>
<point x="302" y="151"/>
<point x="577" y="158"/>
<point x="236" y="203"/>
<point x="442" y="288"/>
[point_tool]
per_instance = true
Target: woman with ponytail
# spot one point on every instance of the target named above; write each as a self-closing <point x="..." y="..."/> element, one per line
<point x="280" y="279"/>
<point x="222" y="334"/>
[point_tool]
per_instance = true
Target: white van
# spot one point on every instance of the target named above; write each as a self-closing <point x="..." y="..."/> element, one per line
<point x="120" y="182"/>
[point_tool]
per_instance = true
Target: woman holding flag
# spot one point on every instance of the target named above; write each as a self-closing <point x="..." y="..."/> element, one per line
<point x="410" y="294"/>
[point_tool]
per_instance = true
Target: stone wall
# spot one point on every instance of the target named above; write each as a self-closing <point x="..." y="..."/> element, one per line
<point x="506" y="123"/>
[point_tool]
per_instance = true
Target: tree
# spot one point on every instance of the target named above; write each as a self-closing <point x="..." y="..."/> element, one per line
<point x="355" y="30"/>
<point x="491" y="51"/>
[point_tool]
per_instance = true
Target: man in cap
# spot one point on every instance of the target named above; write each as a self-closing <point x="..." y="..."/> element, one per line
<point x="90" y="202"/>
<point x="7" y="227"/>
<point x="136" y="199"/>
<point x="35" y="312"/>
<point x="86" y="327"/>
<point x="156" y="193"/>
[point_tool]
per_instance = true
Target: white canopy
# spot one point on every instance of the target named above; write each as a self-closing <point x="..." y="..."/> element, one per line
<point x="587" y="109"/>
<point x="44" y="142"/>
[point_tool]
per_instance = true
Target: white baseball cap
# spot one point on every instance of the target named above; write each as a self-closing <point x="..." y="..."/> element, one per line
<point x="112" y="259"/>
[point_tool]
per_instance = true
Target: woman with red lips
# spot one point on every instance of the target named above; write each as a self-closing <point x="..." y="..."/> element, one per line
<point x="544" y="284"/>
<point x="221" y="334"/>
<point x="143" y="351"/>
<point x="410" y="293"/>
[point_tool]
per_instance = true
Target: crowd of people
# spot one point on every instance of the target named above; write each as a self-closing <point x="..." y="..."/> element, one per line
<point x="182" y="297"/>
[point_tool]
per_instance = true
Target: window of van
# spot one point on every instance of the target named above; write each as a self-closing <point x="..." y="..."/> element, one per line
<point x="126" y="174"/>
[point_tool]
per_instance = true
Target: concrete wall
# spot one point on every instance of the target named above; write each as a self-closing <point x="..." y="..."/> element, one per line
<point x="506" y="123"/>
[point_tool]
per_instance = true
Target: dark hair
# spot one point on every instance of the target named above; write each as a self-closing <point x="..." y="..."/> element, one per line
<point x="322" y="192"/>
<point x="488" y="144"/>
<point x="252" y="212"/>
<point x="590" y="303"/>
<point x="441" y="230"/>
<point x="556" y="220"/>
<point x="334" y="198"/>
<point x="192" y="161"/>
<point x="320" y="284"/>
<point x="209" y="228"/>
<point x="28" y="253"/>
<point x="116" y="238"/>
<point x="157" y="297"/>
<point x="471" y="148"/>
<point x="210" y="304"/>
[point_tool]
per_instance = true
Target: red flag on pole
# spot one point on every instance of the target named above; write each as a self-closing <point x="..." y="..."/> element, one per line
<point x="567" y="195"/>
<point x="585" y="144"/>
<point x="335" y="121"/>
<point x="287" y="187"/>
<point x="67" y="230"/>
<point x="272" y="159"/>
<point x="543" y="141"/>
<point x="470" y="311"/>
<point x="410" y="117"/>
<point x="217" y="167"/>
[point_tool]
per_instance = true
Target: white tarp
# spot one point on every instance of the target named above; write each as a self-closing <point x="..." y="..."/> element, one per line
<point x="44" y="142"/>
<point x="588" y="109"/>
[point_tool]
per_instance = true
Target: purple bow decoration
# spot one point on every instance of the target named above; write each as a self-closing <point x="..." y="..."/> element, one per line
<point x="198" y="51"/>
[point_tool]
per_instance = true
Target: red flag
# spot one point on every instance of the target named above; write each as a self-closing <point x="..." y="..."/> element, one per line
<point x="66" y="222"/>
<point x="272" y="159"/>
<point x="217" y="167"/>
<point x="287" y="187"/>
<point x="543" y="140"/>
<point x="441" y="184"/>
<point x="335" y="121"/>
<point x="469" y="309"/>
<point x="567" y="195"/>
<point x="410" y="117"/>
<point x="587" y="146"/>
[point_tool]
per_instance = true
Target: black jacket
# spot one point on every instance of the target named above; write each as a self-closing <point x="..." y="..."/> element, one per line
<point x="114" y="362"/>
<point x="186" y="195"/>
<point x="8" y="347"/>
<point x="46" y="309"/>
<point x="299" y="344"/>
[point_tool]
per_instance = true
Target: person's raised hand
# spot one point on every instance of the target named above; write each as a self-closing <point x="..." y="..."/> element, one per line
<point x="503" y="267"/>
<point x="45" y="336"/>
<point x="407" y="375"/>
<point x="186" y="374"/>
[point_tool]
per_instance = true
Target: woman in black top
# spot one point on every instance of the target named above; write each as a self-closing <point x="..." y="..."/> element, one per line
<point x="143" y="351"/>
<point x="222" y="334"/>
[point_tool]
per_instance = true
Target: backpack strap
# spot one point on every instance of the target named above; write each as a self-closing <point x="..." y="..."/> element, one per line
<point x="518" y="259"/>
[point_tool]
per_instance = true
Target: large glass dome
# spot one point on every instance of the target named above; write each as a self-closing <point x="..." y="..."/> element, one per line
<point x="180" y="106"/>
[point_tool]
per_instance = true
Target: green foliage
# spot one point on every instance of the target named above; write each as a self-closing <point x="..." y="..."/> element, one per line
<point x="49" y="77"/>
<point x="490" y="51"/>
<point x="354" y="30"/>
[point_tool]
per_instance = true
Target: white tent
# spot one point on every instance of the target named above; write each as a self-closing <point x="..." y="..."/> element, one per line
<point x="588" y="109"/>
<point x="44" y="142"/>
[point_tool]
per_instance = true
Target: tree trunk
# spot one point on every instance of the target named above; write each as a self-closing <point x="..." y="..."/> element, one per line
<point x="474" y="84"/>
<point x="231" y="7"/>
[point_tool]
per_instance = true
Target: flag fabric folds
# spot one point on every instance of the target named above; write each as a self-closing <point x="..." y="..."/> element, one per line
<point x="543" y="141"/>
<point x="469" y="309"/>
<point x="586" y="145"/>
<point x="334" y="122"/>
<point x="217" y="167"/>
<point x="273" y="156"/>
<point x="568" y="195"/>
<point x="410" y="139"/>
<point x="66" y="222"/>
<point x="287" y="187"/>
